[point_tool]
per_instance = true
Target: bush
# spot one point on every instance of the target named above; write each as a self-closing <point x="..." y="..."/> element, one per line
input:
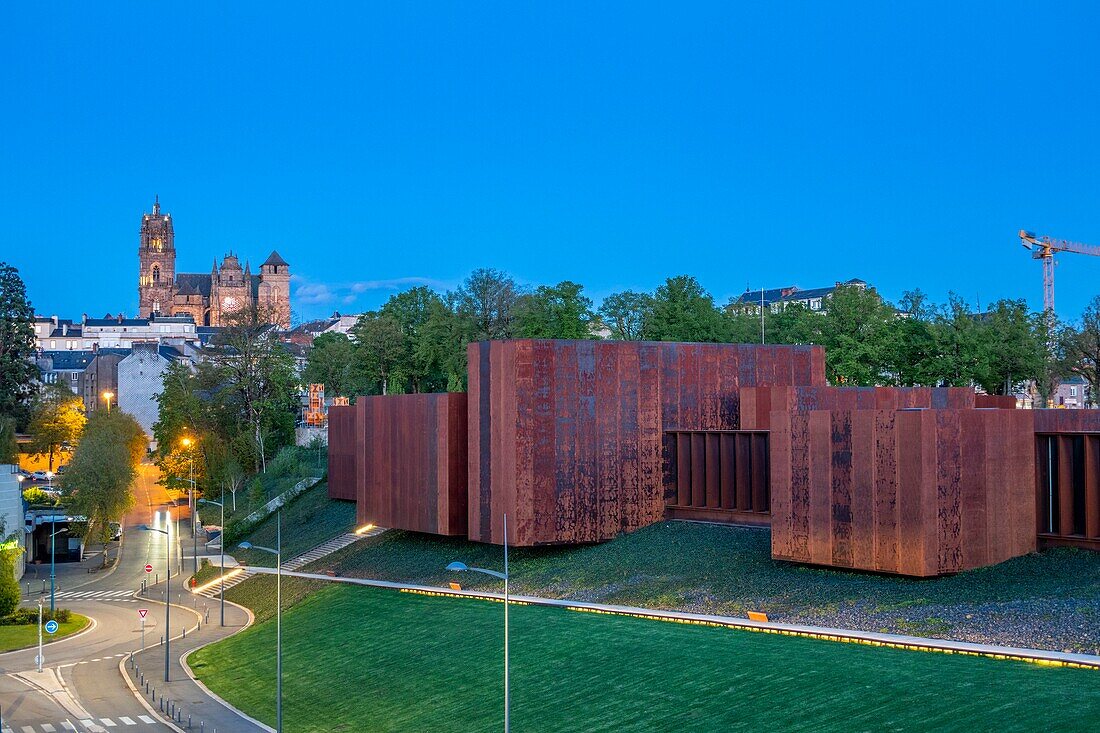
<point x="9" y="587"/>
<point x="256" y="495"/>
<point x="287" y="463"/>
<point x="25" y="616"/>
<point x="37" y="497"/>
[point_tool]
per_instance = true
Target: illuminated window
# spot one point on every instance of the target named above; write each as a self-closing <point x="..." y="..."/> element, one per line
<point x="156" y="273"/>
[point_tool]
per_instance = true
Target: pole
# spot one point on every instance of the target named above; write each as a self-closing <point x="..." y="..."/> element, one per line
<point x="142" y="633"/>
<point x="167" y="586"/>
<point x="40" y="635"/>
<point x="279" y="621"/>
<point x="53" y="555"/>
<point x="507" y="694"/>
<point x="221" y="545"/>
<point x="761" y="315"/>
<point x="194" y="510"/>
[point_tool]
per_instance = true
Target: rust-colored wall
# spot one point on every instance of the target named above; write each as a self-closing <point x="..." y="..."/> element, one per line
<point x="407" y="461"/>
<point x="567" y="437"/>
<point x="341" y="452"/>
<point x="757" y="403"/>
<point x="913" y="491"/>
<point x="1068" y="477"/>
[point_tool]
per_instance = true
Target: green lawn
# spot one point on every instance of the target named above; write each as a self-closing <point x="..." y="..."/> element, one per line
<point x="1048" y="600"/>
<point x="368" y="659"/>
<point x="18" y="637"/>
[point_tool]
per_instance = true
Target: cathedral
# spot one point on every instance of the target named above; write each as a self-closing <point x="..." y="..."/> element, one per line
<point x="205" y="297"/>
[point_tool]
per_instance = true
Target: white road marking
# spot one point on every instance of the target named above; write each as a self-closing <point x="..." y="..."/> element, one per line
<point x="48" y="728"/>
<point x="108" y="722"/>
<point x="146" y="719"/>
<point x="126" y="721"/>
<point x="27" y="729"/>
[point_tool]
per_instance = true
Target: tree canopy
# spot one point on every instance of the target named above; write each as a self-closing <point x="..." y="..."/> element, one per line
<point x="18" y="374"/>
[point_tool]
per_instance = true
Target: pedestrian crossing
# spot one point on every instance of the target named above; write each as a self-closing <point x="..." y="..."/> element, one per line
<point x="87" y="725"/>
<point x="97" y="595"/>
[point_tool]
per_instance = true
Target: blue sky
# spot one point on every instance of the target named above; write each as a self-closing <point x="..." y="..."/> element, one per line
<point x="611" y="144"/>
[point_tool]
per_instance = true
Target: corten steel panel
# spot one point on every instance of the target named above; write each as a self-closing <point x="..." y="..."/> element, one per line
<point x="841" y="471"/>
<point x="916" y="491"/>
<point x="341" y="452"/>
<point x="999" y="402"/>
<point x="1092" y="486"/>
<point x="412" y="462"/>
<point x="568" y="436"/>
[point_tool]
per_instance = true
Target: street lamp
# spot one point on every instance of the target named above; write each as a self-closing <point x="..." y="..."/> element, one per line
<point x="167" y="579"/>
<point x="191" y="505"/>
<point x="278" y="553"/>
<point x="221" y="548"/>
<point x="107" y="396"/>
<point x="462" y="567"/>
<point x="53" y="546"/>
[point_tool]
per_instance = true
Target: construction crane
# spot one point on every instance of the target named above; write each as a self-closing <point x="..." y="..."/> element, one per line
<point x="1043" y="248"/>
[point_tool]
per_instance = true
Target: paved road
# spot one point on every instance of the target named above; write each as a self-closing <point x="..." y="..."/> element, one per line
<point x="80" y="687"/>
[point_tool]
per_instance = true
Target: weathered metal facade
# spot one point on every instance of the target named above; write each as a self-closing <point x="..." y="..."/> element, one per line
<point x="578" y="441"/>
<point x="569" y="437"/>
<point x="407" y="460"/>
<point x="914" y="491"/>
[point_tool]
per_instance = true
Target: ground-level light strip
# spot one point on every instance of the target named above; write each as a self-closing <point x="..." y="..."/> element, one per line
<point x="849" y="639"/>
<point x="210" y="584"/>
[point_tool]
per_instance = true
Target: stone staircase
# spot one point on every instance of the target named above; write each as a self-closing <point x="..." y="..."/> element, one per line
<point x="324" y="549"/>
<point x="327" y="548"/>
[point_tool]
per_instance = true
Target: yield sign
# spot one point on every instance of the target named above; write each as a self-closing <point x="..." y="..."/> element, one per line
<point x="148" y="568"/>
<point x="142" y="612"/>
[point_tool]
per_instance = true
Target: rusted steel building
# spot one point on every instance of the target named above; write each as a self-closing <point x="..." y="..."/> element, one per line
<point x="579" y="441"/>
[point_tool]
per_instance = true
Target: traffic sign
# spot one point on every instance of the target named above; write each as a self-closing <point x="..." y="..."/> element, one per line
<point x="37" y="659"/>
<point x="142" y="612"/>
<point x="51" y="627"/>
<point x="148" y="568"/>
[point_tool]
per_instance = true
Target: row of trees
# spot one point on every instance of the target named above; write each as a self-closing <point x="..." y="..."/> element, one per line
<point x="236" y="408"/>
<point x="416" y="342"/>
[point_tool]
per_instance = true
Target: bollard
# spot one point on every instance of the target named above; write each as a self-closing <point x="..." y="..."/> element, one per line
<point x="142" y="681"/>
<point x="188" y="721"/>
<point x="173" y="710"/>
<point x="162" y="703"/>
<point x="43" y="585"/>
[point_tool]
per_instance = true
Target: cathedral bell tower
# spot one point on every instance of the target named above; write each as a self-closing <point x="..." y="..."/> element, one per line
<point x="157" y="258"/>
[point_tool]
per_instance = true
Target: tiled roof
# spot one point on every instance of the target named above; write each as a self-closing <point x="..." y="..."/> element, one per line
<point x="192" y="283"/>
<point x="275" y="259"/>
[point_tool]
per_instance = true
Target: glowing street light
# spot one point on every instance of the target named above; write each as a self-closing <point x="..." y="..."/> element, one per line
<point x="462" y="567"/>
<point x="107" y="396"/>
<point x="167" y="578"/>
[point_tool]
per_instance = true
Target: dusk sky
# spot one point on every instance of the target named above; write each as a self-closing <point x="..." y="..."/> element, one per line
<point x="381" y="145"/>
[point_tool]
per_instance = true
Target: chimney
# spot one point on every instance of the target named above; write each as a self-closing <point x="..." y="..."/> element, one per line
<point x="120" y="317"/>
<point x="64" y="329"/>
<point x="53" y="319"/>
<point x="84" y="319"/>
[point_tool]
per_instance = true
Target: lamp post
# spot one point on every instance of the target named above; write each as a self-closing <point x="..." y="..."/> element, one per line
<point x="278" y="553"/>
<point x="107" y="396"/>
<point x="221" y="550"/>
<point x="167" y="581"/>
<point x="53" y="545"/>
<point x="191" y="504"/>
<point x="462" y="567"/>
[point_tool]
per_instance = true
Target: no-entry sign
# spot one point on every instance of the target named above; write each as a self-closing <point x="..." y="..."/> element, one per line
<point x="142" y="612"/>
<point x="148" y="568"/>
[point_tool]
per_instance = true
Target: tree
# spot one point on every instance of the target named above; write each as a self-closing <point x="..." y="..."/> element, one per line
<point x="856" y="332"/>
<point x="441" y="349"/>
<point x="57" y="419"/>
<point x="97" y="481"/>
<point x="331" y="362"/>
<point x="683" y="311"/>
<point x="9" y="447"/>
<point x="181" y="410"/>
<point x="381" y="350"/>
<point x="17" y="370"/>
<point x="252" y="386"/>
<point x="1012" y="348"/>
<point x="1081" y="348"/>
<point x="625" y="314"/>
<point x="256" y="495"/>
<point x="486" y="303"/>
<point x="554" y="312"/>
<point x="413" y="311"/>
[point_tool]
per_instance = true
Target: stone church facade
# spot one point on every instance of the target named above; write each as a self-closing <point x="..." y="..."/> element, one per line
<point x="207" y="298"/>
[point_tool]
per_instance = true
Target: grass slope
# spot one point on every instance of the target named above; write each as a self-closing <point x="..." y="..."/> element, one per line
<point x="20" y="637"/>
<point x="1050" y="600"/>
<point x="309" y="520"/>
<point x="359" y="658"/>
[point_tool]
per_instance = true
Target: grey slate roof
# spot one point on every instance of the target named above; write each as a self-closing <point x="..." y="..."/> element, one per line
<point x="193" y="282"/>
<point x="275" y="259"/>
<point x="789" y="294"/>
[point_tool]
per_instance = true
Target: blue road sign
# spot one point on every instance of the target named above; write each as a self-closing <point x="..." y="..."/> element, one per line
<point x="51" y="627"/>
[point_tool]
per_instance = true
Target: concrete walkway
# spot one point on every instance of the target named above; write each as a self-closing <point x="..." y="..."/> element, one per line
<point x="201" y="619"/>
<point x="870" y="638"/>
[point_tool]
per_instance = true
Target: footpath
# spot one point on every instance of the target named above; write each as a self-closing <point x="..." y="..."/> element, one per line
<point x="183" y="703"/>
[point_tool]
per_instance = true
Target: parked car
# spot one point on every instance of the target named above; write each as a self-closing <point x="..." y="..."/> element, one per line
<point x="39" y="476"/>
<point x="24" y="474"/>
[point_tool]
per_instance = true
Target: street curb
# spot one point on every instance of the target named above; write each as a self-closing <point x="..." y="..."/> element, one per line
<point x="141" y="698"/>
<point x="210" y="693"/>
<point x="92" y="624"/>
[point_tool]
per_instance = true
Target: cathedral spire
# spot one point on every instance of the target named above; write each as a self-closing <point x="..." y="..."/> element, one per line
<point x="156" y="204"/>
